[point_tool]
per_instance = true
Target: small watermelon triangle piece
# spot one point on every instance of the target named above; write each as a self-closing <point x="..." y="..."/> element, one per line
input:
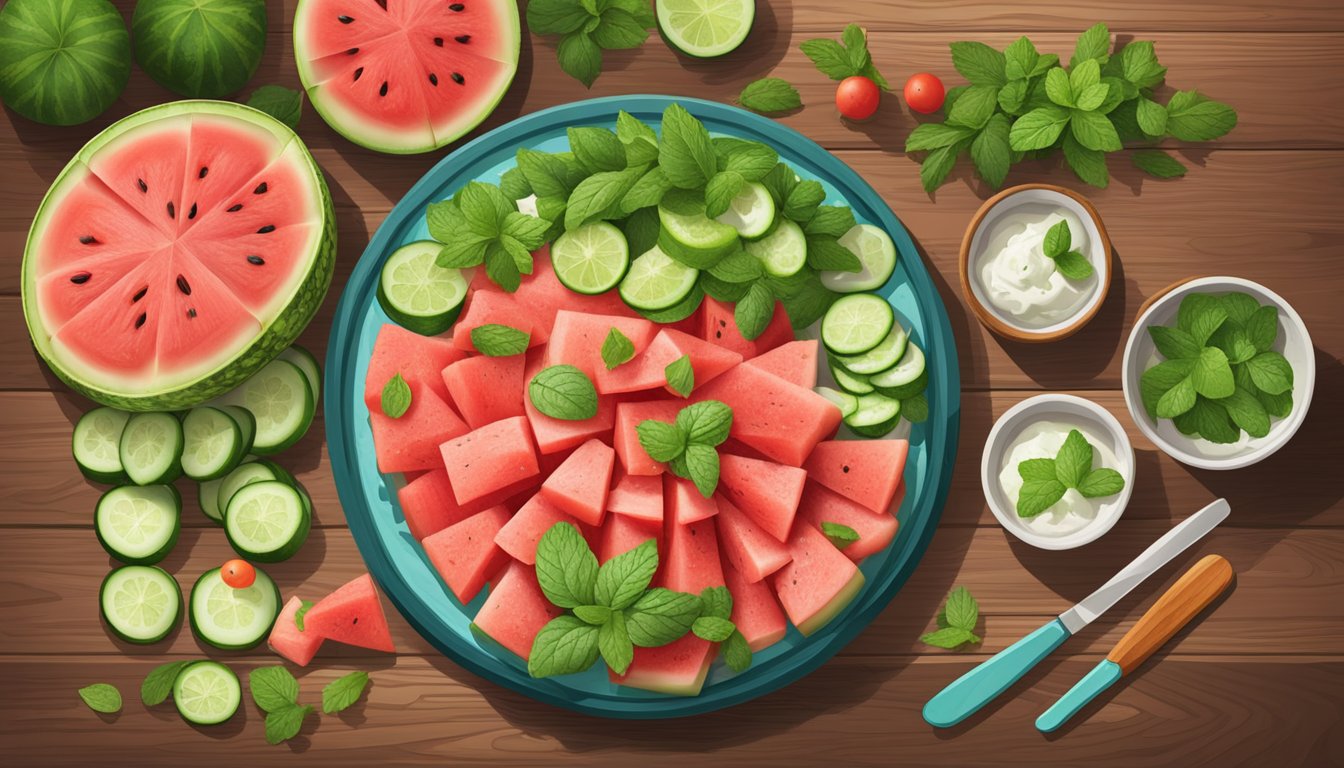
<point x="486" y="389"/>
<point x="866" y="471"/>
<point x="639" y="497"/>
<point x="577" y="337"/>
<point x="818" y="583"/>
<point x="769" y="493"/>
<point x="795" y="362"/>
<point x="752" y="552"/>
<point x="465" y="554"/>
<point x="352" y="615"/>
<point x="580" y="486"/>
<point x="520" y="535"/>
<point x="621" y="533"/>
<point x="720" y="327"/>
<point x="875" y="529"/>
<point x="292" y="643"/>
<point x="756" y="612"/>
<point x="491" y="307"/>
<point x="419" y="359"/>
<point x="780" y="419"/>
<point x="684" y="502"/>
<point x="516" y="610"/>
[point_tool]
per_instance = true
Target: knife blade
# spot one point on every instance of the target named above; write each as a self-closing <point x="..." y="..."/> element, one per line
<point x="973" y="690"/>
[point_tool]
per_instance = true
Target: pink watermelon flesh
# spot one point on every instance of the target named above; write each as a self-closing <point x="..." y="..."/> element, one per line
<point x="876" y="529"/>
<point x="767" y="492"/>
<point x="720" y="327"/>
<point x="795" y="362"/>
<point x="756" y="612"/>
<point x="490" y="307"/>
<point x="576" y="338"/>
<point x="684" y="502"/>
<point x="554" y="435"/>
<point x="352" y="615"/>
<point x="649" y="370"/>
<point x="621" y="534"/>
<point x="465" y="554"/>
<point x="516" y="610"/>
<point x="752" y="551"/>
<point x="419" y="359"/>
<point x="779" y="419"/>
<point x="486" y="389"/>
<point x="520" y="535"/>
<point x="639" y="497"/>
<point x="490" y="458"/>
<point x="866" y="471"/>
<point x="579" y="487"/>
<point x="428" y="504"/>
<point x="626" y="440"/>
<point x="286" y="639"/>
<point x="412" y="441"/>
<point x="817" y="583"/>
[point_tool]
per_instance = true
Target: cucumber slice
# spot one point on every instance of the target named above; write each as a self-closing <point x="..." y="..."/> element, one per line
<point x="783" y="252"/>
<point x="881" y="357"/>
<point x="230" y="618"/>
<point x="417" y="293"/>
<point x="267" y="521"/>
<point x="207" y="498"/>
<point x="247" y="473"/>
<point x="751" y="213"/>
<point x="690" y="233"/>
<point x="282" y="402"/>
<point x="207" y="693"/>
<point x="140" y="603"/>
<point x="151" y="448"/>
<point x="656" y="281"/>
<point x="705" y="29"/>
<point x="877" y="254"/>
<point x="213" y="443"/>
<point x="876" y="416"/>
<point x="95" y="444"/>
<point x="679" y="311"/>
<point x="920" y="383"/>
<point x="307" y="363"/>
<point x="138" y="525"/>
<point x="591" y="259"/>
<point x="910" y="366"/>
<point x="246" y="422"/>
<point x="846" y="402"/>
<point x="853" y="383"/>
<point x="856" y="324"/>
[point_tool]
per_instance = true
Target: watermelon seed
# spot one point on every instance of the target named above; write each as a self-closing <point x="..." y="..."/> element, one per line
<point x="261" y="189"/>
<point x="352" y="52"/>
<point x="256" y="260"/>
<point x="383" y="90"/>
<point x="438" y="41"/>
<point x="433" y="79"/>
<point x="80" y="278"/>
<point x="344" y="19"/>
<point x="172" y="212"/>
<point x="382" y="4"/>
<point x="204" y="171"/>
<point x="139" y="321"/>
<point x="183" y="285"/>
<point x="459" y="79"/>
<point x="192" y="213"/>
<point x="463" y="39"/>
<point x="358" y="72"/>
<point x="143" y="186"/>
<point x="266" y="230"/>
<point x="457" y="7"/>
<point x="845" y="469"/>
<point x="191" y="313"/>
<point x="140" y="295"/>
<point x="235" y="208"/>
<point x="88" y="240"/>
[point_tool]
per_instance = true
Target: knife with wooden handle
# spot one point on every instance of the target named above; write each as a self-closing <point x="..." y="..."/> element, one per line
<point x="1192" y="593"/>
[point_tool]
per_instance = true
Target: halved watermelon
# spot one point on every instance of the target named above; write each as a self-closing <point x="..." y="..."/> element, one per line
<point x="411" y="442"/>
<point x="633" y="457"/>
<point x="492" y="307"/>
<point x="779" y="419"/>
<point x="622" y="533"/>
<point x="576" y="338"/>
<point x="867" y="471"/>
<point x="465" y="554"/>
<point x="822" y="505"/>
<point x="720" y="327"/>
<point x="352" y="615"/>
<point x="520" y="535"/>
<point x="554" y="435"/>
<point x="488" y="459"/>
<point x="407" y="76"/>
<point x="756" y="612"/>
<point x="419" y="359"/>
<point x="580" y="485"/>
<point x="516" y="610"/>
<point x="769" y="493"/>
<point x="639" y="497"/>
<point x="181" y="250"/>
<point x="486" y="389"/>
<point x="817" y="583"/>
<point x="752" y="552"/>
<point x="684" y="502"/>
<point x="795" y="362"/>
<point x="286" y="639"/>
<point x="649" y="370"/>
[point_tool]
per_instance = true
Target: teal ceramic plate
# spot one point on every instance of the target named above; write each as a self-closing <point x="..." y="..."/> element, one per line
<point x="396" y="560"/>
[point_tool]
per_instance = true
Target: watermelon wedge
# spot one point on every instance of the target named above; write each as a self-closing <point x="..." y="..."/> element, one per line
<point x="554" y="435"/>
<point x="866" y="471"/>
<point x="491" y="307"/>
<point x="795" y="362"/>
<point x="621" y="534"/>
<point x="412" y="441"/>
<point x="756" y="612"/>
<point x="876" y="529"/>
<point x="639" y="497"/>
<point x="684" y="502"/>
<point x="419" y="359"/>
<point x="465" y="554"/>
<point x="777" y="418"/>
<point x="818" y="583"/>
<point x="352" y="615"/>
<point x="488" y="459"/>
<point x="576" y="338"/>
<point x="520" y="535"/>
<point x="181" y="250"/>
<point x="486" y="389"/>
<point x="719" y="326"/>
<point x="752" y="552"/>
<point x="288" y="640"/>
<point x="516" y="610"/>
<point x="767" y="492"/>
<point x="407" y="76"/>
<point x="428" y="504"/>
<point x="649" y="370"/>
<point x="579" y="487"/>
<point x="626" y="440"/>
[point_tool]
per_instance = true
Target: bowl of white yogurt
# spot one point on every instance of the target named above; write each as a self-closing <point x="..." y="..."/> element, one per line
<point x="1037" y="429"/>
<point x="1018" y="280"/>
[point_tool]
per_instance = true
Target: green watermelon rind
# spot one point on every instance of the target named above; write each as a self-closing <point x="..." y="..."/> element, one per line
<point x="202" y="82"/>
<point x="352" y="133"/>
<point x="115" y="73"/>
<point x="284" y="329"/>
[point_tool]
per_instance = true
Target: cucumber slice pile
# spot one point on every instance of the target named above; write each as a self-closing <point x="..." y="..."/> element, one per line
<point x="705" y="28"/>
<point x="691" y="237"/>
<point x="876" y="252"/>
<point x="856" y="324"/>
<point x="656" y="282"/>
<point x="783" y="252"/>
<point x="207" y="693"/>
<point x="140" y="603"/>
<point x="215" y="441"/>
<point x="231" y="618"/>
<point x="417" y="293"/>
<point x="138" y="525"/>
<point x="95" y="444"/>
<point x="846" y="402"/>
<point x="875" y="416"/>
<point x="882" y="382"/>
<point x="150" y="449"/>
<point x="308" y="364"/>
<point x="751" y="213"/>
<point x="282" y="401"/>
<point x="591" y="259"/>
<point x="886" y="354"/>
<point x="267" y="521"/>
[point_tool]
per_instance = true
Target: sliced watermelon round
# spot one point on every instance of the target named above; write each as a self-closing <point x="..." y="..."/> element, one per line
<point x="182" y="249"/>
<point x="405" y="76"/>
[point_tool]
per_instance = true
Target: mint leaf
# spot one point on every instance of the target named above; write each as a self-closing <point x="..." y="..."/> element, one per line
<point x="617" y="349"/>
<point x="1092" y="45"/>
<point x="915" y="409"/>
<point x="641" y="143"/>
<point x="1094" y="131"/>
<point x="661" y="616"/>
<point x="1037" y="469"/>
<point x="563" y="392"/>
<point x="563" y="647"/>
<point x="549" y="175"/>
<point x="566" y="567"/>
<point x="648" y="191"/>
<point x="1234" y="342"/>
<point x="736" y="652"/>
<point x="101" y="697"/>
<point x="808" y="302"/>
<point x="1058" y="239"/>
<point x="1207" y="322"/>
<point x="158" y="683"/>
<point x="750" y="159"/>
<point x="702" y="464"/>
<point x="990" y="151"/>
<point x="979" y="64"/>
<point x="770" y="94"/>
<point x="580" y="57"/>
<point x="753" y="313"/>
<point x="1088" y="164"/>
<point x="495" y="340"/>
<point x="803" y="200"/>
<point x="1279" y="405"/>
<point x="830" y="58"/>
<point x="680" y="376"/>
<point x="719" y="193"/>
<point x="1211" y="421"/>
<point x="597" y="615"/>
<point x="685" y="152"/>
<point x="555" y="17"/>
<point x="975" y="107"/>
<point x="396" y="397"/>
<point x="1262" y="329"/>
<point x="1271" y="373"/>
<point x="1037" y="496"/>
<point x="1101" y="482"/>
<point x="622" y="579"/>
<point x="1193" y="117"/>
<point x="501" y="268"/>
<point x="600" y="195"/>
<point x="273" y="688"/>
<point x="928" y="136"/>
<point x="1038" y="129"/>
<point x="1156" y="381"/>
<point x="1074" y="459"/>
<point x="1178" y="399"/>
<point x="340" y="694"/>
<point x="1058" y="88"/>
<point x="1020" y="59"/>
<point x="830" y="220"/>
<point x="1239" y="306"/>
<point x="713" y="629"/>
<point x="620" y="30"/>
<point x="528" y="230"/>
<point x="841" y="535"/>
<point x="1247" y="412"/>
<point x="1092" y="97"/>
<point x="514" y="184"/>
<point x="826" y="254"/>
<point x="707" y="422"/>
<point x="284" y="723"/>
<point x="1152" y="119"/>
<point x="737" y="267"/>
<point x="1174" y="343"/>
<point x="1074" y="266"/>
<point x="284" y="104"/>
<point x="613" y="642"/>
<point x="961" y="611"/>
<point x="1211" y="375"/>
<point x="938" y="163"/>
<point x="662" y="441"/>
<point x="716" y="602"/>
<point x="949" y="638"/>
<point x="596" y="149"/>
<point x="1155" y="162"/>
<point x="1191" y="307"/>
<point x="1013" y="96"/>
<point x="1082" y="76"/>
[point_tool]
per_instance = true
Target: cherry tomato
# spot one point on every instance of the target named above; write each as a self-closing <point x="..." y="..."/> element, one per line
<point x="857" y="97"/>
<point x="924" y="93"/>
<point x="238" y="574"/>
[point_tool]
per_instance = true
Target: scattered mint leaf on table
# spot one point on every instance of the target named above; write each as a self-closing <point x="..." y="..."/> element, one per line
<point x="101" y="697"/>
<point x="680" y="376"/>
<point x="1155" y="162"/>
<point x="284" y="104"/>
<point x="841" y="535"/>
<point x="770" y="94"/>
<point x="273" y="688"/>
<point x="847" y="58"/>
<point x="396" y="397"/>
<point x="158" y="684"/>
<point x="343" y="692"/>
<point x="284" y="723"/>
<point x="495" y="340"/>
<point x="956" y="622"/>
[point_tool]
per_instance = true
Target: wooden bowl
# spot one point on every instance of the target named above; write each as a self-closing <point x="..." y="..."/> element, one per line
<point x="1101" y="258"/>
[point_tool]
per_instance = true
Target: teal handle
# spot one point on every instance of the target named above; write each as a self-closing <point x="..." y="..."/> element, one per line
<point x="973" y="690"/>
<point x="1101" y="677"/>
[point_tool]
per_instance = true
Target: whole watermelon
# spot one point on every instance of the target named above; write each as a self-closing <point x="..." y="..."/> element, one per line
<point x="62" y="62"/>
<point x="200" y="48"/>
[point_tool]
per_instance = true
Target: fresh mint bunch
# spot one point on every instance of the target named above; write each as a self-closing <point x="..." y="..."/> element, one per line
<point x="1058" y="245"/>
<point x="846" y="58"/>
<point x="688" y="446"/>
<point x="956" y="622"/>
<point x="1044" y="481"/>
<point x="1020" y="102"/>
<point x="587" y="27"/>
<point x="480" y="225"/>
<point x="1221" y="374"/>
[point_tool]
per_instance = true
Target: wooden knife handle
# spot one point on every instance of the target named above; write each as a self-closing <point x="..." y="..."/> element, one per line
<point x="1190" y="594"/>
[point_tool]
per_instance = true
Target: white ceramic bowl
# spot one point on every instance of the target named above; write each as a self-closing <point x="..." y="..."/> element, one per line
<point x="1065" y="408"/>
<point x="1293" y="342"/>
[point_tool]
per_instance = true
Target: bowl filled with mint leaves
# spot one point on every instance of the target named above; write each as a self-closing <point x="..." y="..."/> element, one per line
<point x="1218" y="372"/>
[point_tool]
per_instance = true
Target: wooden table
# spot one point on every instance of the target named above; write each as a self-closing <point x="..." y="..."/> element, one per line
<point x="1257" y="681"/>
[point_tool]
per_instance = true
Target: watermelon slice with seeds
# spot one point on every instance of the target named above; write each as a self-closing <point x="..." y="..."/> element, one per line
<point x="639" y="497"/>
<point x="867" y="471"/>
<point x="286" y="639"/>
<point x="649" y="370"/>
<point x="719" y="326"/>
<point x="352" y="615"/>
<point x="411" y="442"/>
<point x="822" y="505"/>
<point x="684" y="502"/>
<point x="818" y="583"/>
<point x="487" y="459"/>
<point x="749" y="548"/>
<point x="756" y="612"/>
<point x="419" y="359"/>
<point x="486" y="389"/>
<point x="769" y="493"/>
<point x="465" y="554"/>
<point x="795" y="362"/>
<point x="580" y="486"/>
<point x="634" y="458"/>
<point x="515" y="610"/>
<point x="777" y="418"/>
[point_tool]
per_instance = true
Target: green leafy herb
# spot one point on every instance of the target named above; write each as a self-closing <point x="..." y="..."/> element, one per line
<point x="846" y="58"/>
<point x="482" y="225"/>
<point x="1058" y="242"/>
<point x="563" y="392"/>
<point x="344" y="691"/>
<point x="736" y="652"/>
<point x="587" y="28"/>
<point x="680" y="376"/>
<point x="662" y="441"/>
<point x="688" y="446"/>
<point x="617" y="349"/>
<point x="566" y="568"/>
<point x="396" y="398"/>
<point x="613" y="643"/>
<point x="284" y="104"/>
<point x="701" y="468"/>
<point x="713" y="629"/>
<point x="685" y="153"/>
<point x="840" y="535"/>
<point x="706" y="422"/>
<point x="495" y="340"/>
<point x="158" y="684"/>
<point x="304" y="605"/>
<point x="1044" y="481"/>
<point x="273" y="688"/>
<point x="284" y="723"/>
<point x="622" y="579"/>
<point x="661" y="616"/>
<point x="770" y="94"/>
<point x="596" y="615"/>
<point x="956" y="622"/>
<point x="101" y="697"/>
<point x="1155" y="162"/>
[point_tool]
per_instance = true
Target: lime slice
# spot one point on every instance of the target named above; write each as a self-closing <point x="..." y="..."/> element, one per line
<point x="591" y="259"/>
<point x="856" y="323"/>
<point x="207" y="693"/>
<point x="877" y="254"/>
<point x="683" y="219"/>
<point x="419" y="294"/>
<point x="705" y="28"/>
<point x="783" y="253"/>
<point x="657" y="281"/>
<point x="140" y="603"/>
<point x="751" y="213"/>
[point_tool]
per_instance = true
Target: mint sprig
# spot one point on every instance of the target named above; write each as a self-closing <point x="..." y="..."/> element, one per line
<point x="587" y="28"/>
<point x="1058" y="246"/>
<point x="276" y="693"/>
<point x="846" y="58"/>
<point x="481" y="225"/>
<point x="1044" y="481"/>
<point x="956" y="622"/>
<point x="688" y="446"/>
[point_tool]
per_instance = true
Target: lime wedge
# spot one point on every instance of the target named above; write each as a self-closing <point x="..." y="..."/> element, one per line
<point x="705" y="28"/>
<point x="591" y="259"/>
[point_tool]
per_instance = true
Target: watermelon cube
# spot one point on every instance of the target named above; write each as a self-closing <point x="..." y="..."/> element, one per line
<point x="752" y="552"/>
<point x="492" y="307"/>
<point x="779" y="419"/>
<point x="684" y="502"/>
<point x="719" y="326"/>
<point x="490" y="458"/>
<point x="554" y="435"/>
<point x="756" y="612"/>
<point x="428" y="504"/>
<point x="649" y="370"/>
<point x="353" y="615"/>
<point x="520" y="535"/>
<point x="580" y="485"/>
<point x="626" y="439"/>
<point x="418" y="359"/>
<point x="516" y="610"/>
<point x="769" y="493"/>
<point x="576" y="338"/>
<point x="795" y="362"/>
<point x="817" y="583"/>
<point x="639" y="497"/>
<point x="866" y="471"/>
<point x="486" y="389"/>
<point x="621" y="534"/>
<point x="412" y="441"/>
<point x="289" y="641"/>
<point x="465" y="554"/>
<point x="692" y="558"/>
<point x="822" y="505"/>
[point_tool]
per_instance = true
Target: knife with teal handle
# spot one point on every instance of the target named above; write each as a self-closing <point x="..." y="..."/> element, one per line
<point x="973" y="690"/>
